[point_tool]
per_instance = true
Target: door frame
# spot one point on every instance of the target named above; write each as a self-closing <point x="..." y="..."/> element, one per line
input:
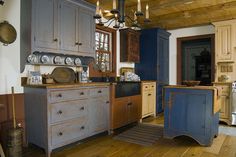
<point x="179" y="54"/>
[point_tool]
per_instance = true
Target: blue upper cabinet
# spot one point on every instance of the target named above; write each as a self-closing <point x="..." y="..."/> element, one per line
<point x="154" y="55"/>
<point x="154" y="60"/>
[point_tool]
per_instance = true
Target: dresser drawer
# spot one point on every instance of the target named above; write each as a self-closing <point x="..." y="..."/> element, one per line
<point x="68" y="110"/>
<point x="99" y="91"/>
<point x="64" y="95"/>
<point x="69" y="132"/>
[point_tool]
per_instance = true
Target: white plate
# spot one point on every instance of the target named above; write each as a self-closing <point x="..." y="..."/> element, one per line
<point x="69" y="61"/>
<point x="45" y="59"/>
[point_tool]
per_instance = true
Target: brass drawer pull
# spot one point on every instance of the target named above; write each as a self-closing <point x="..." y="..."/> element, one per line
<point x="59" y="112"/>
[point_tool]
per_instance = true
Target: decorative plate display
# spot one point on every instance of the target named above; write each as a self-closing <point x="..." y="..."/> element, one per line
<point x="45" y="59"/>
<point x="69" y="61"/>
<point x="78" y="62"/>
<point x="32" y="59"/>
<point x="58" y="60"/>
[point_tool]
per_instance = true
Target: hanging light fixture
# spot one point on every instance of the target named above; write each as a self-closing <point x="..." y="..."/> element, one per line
<point x="119" y="17"/>
<point x="1" y="2"/>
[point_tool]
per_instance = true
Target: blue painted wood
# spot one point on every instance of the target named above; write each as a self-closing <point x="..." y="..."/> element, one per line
<point x="154" y="60"/>
<point x="190" y="112"/>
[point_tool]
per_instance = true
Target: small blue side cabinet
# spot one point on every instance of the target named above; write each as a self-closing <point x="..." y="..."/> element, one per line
<point x="189" y="112"/>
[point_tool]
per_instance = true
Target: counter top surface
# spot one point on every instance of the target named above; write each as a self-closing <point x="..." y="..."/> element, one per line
<point x="191" y="87"/>
<point x="68" y="85"/>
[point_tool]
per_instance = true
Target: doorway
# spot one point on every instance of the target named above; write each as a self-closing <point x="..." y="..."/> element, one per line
<point x="196" y="59"/>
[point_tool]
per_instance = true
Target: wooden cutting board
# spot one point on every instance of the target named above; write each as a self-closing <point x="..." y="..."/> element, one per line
<point x="63" y="75"/>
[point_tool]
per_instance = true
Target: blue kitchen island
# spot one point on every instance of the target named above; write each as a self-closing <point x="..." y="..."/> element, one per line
<point x="191" y="111"/>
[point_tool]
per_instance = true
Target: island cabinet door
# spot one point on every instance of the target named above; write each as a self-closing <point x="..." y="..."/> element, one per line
<point x="187" y="111"/>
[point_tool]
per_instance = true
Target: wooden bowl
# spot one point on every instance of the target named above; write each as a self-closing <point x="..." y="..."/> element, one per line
<point x="191" y="83"/>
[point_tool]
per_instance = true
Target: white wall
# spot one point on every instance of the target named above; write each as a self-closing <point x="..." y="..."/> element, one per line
<point x="178" y="33"/>
<point x="10" y="55"/>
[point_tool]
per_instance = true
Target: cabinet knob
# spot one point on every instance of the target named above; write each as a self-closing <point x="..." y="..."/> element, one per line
<point x="80" y="44"/>
<point x="59" y="95"/>
<point x="60" y="134"/>
<point x="55" y="39"/>
<point x="59" y="112"/>
<point x="99" y="91"/>
<point x="82" y="93"/>
<point x="107" y="102"/>
<point x="82" y="127"/>
<point x="129" y="104"/>
<point x="76" y="43"/>
<point x="149" y="94"/>
<point x="82" y="108"/>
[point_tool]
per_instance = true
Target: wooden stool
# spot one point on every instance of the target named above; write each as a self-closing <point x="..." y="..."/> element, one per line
<point x="1" y="151"/>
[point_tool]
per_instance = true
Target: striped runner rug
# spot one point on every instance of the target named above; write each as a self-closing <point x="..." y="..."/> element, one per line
<point x="142" y="134"/>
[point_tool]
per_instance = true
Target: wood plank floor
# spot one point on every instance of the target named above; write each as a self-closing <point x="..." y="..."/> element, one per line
<point x="106" y="146"/>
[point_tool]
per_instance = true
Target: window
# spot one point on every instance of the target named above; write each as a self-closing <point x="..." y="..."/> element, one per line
<point x="103" y="50"/>
<point x="105" y="58"/>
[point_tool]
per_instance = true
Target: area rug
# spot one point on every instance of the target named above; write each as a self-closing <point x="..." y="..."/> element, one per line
<point x="142" y="134"/>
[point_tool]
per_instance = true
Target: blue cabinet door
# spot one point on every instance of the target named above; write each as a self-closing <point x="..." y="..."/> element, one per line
<point x="189" y="112"/>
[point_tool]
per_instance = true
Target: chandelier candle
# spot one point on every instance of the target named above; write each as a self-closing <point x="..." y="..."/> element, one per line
<point x="97" y="8"/>
<point x="147" y="12"/>
<point x="114" y="4"/>
<point x="139" y="6"/>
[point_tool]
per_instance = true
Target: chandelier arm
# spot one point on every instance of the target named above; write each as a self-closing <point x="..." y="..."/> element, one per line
<point x="112" y="18"/>
<point x="110" y="22"/>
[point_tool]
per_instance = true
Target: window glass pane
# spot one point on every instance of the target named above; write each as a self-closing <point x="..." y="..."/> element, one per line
<point x="97" y="36"/>
<point x="103" y="47"/>
<point x="106" y="47"/>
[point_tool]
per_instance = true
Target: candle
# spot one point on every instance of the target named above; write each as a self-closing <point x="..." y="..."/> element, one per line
<point x="147" y="12"/>
<point x="97" y="8"/>
<point x="114" y="4"/>
<point x="100" y="12"/>
<point x="135" y="17"/>
<point x="139" y="6"/>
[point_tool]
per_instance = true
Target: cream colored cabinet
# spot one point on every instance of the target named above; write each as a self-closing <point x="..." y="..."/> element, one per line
<point x="223" y="38"/>
<point x="225" y="44"/>
<point x="56" y="117"/>
<point x="148" y="99"/>
<point x="224" y="96"/>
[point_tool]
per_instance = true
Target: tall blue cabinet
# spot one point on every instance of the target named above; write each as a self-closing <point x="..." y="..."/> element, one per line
<point x="154" y="60"/>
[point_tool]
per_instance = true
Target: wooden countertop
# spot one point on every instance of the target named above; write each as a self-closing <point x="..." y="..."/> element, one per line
<point x="68" y="85"/>
<point x="191" y="87"/>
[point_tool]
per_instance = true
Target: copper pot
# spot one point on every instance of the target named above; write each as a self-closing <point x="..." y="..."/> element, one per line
<point x="7" y="33"/>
